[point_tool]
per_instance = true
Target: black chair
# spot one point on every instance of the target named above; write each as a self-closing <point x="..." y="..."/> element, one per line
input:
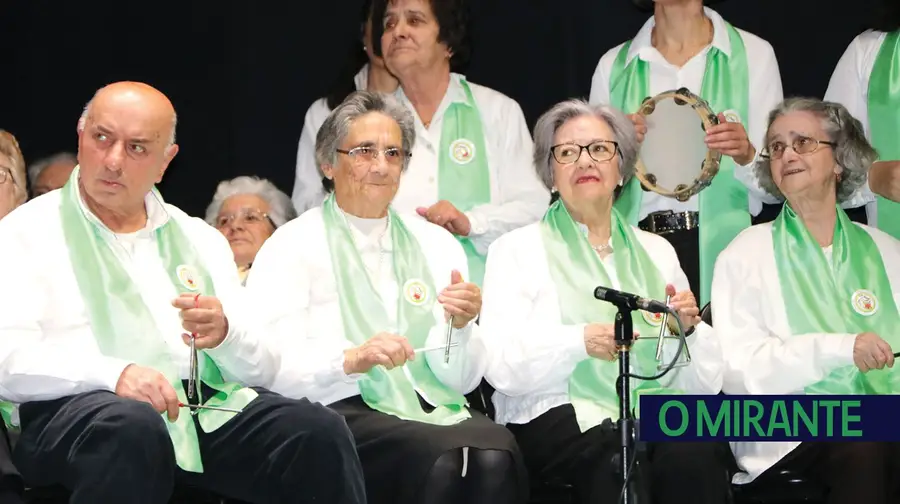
<point x="785" y="487"/>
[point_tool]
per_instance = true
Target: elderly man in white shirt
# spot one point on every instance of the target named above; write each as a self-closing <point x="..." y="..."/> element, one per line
<point x="470" y="170"/>
<point x="807" y="304"/>
<point x="552" y="344"/>
<point x="866" y="82"/>
<point x="687" y="45"/>
<point x="363" y="71"/>
<point x="117" y="349"/>
<point x="361" y="300"/>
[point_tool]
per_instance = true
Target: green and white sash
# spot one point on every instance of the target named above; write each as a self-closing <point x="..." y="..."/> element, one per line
<point x="884" y="121"/>
<point x="851" y="294"/>
<point x="724" y="205"/>
<point x="364" y="315"/>
<point x="123" y="325"/>
<point x="464" y="177"/>
<point x="576" y="271"/>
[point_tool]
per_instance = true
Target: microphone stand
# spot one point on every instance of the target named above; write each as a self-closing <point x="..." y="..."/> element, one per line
<point x="624" y="334"/>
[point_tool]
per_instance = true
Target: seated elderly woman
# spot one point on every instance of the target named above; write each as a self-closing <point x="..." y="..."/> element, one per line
<point x="552" y="343"/>
<point x="807" y="304"/>
<point x="12" y="174"/>
<point x="247" y="210"/>
<point x="360" y="300"/>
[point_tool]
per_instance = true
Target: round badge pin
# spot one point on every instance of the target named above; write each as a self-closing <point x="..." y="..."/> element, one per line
<point x="462" y="151"/>
<point x="864" y="302"/>
<point x="415" y="292"/>
<point x="654" y="319"/>
<point x="188" y="277"/>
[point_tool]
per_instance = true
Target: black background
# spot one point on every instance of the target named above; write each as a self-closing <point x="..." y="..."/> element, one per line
<point x="241" y="74"/>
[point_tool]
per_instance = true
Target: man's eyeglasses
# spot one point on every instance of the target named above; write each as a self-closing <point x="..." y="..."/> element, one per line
<point x="600" y="151"/>
<point x="367" y="154"/>
<point x="801" y="145"/>
<point x="246" y="215"/>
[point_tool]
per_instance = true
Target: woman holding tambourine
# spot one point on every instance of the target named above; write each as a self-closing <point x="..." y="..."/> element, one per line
<point x="735" y="79"/>
<point x="866" y="81"/>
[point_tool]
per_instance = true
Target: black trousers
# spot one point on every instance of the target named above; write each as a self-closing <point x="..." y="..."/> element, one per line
<point x="671" y="473"/>
<point x="852" y="473"/>
<point x="12" y="487"/>
<point x="105" y="448"/>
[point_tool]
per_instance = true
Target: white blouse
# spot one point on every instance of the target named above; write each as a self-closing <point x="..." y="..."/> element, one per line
<point x="533" y="353"/>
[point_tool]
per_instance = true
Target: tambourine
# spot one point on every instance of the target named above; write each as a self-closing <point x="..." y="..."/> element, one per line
<point x="674" y="160"/>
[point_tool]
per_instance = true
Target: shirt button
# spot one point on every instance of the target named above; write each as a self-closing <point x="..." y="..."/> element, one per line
<point x="431" y="180"/>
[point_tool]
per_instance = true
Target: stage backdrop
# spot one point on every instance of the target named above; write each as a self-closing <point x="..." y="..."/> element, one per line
<point x="242" y="74"/>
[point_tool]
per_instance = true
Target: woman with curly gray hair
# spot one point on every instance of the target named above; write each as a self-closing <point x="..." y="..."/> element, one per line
<point x="807" y="304"/>
<point x="247" y="210"/>
<point x="553" y="344"/>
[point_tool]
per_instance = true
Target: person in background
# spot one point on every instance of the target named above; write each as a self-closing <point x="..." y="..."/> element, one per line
<point x="108" y="285"/>
<point x="685" y="44"/>
<point x="247" y="210"/>
<point x="13" y="190"/>
<point x="807" y="304"/>
<point x="50" y="173"/>
<point x="355" y="294"/>
<point x="867" y="82"/>
<point x="363" y="71"/>
<point x="470" y="171"/>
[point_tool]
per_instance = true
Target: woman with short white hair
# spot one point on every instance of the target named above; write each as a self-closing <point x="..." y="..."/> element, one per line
<point x="247" y="210"/>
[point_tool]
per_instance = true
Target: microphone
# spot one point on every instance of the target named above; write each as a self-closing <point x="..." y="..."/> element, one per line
<point x="630" y="301"/>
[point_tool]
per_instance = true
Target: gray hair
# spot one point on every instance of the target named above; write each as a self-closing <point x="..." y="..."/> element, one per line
<point x="548" y="124"/>
<point x="87" y="108"/>
<point x="337" y="126"/>
<point x="852" y="152"/>
<point x="281" y="210"/>
<point x="35" y="169"/>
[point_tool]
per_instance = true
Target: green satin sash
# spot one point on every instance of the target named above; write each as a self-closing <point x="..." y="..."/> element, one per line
<point x="852" y="294"/>
<point x="123" y="325"/>
<point x="364" y="315"/>
<point x="464" y="177"/>
<point x="576" y="271"/>
<point x="884" y="121"/>
<point x="724" y="206"/>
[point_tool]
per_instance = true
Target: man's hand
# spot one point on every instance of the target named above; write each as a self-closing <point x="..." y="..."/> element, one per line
<point x="149" y="386"/>
<point x="640" y="125"/>
<point x="730" y="138"/>
<point x="388" y="350"/>
<point x="460" y="299"/>
<point x="685" y="305"/>
<point x="444" y="214"/>
<point x="600" y="341"/>
<point x="884" y="179"/>
<point x="871" y="352"/>
<point x="203" y="316"/>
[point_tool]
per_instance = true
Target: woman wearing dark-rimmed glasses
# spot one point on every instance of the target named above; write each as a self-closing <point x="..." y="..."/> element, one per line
<point x="807" y="304"/>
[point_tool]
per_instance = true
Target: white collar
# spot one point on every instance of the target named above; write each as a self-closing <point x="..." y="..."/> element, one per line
<point x="640" y="44"/>
<point x="455" y="93"/>
<point x="362" y="78"/>
<point x="157" y="215"/>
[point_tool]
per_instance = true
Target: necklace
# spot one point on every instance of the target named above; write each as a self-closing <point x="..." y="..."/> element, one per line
<point x="600" y="249"/>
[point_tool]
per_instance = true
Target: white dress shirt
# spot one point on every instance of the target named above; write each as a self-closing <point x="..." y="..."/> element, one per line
<point x="849" y="86"/>
<point x="47" y="348"/>
<point x="762" y="356"/>
<point x="308" y="191"/>
<point x="517" y="195"/>
<point x="765" y="94"/>
<point x="533" y="353"/>
<point x="293" y="286"/>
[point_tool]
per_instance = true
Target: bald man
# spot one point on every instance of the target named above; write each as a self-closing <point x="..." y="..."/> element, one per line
<point x="98" y="312"/>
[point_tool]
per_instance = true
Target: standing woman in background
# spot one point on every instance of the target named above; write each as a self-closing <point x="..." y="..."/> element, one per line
<point x="471" y="171"/>
<point x="685" y="44"/>
<point x="372" y="76"/>
<point x="867" y="82"/>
